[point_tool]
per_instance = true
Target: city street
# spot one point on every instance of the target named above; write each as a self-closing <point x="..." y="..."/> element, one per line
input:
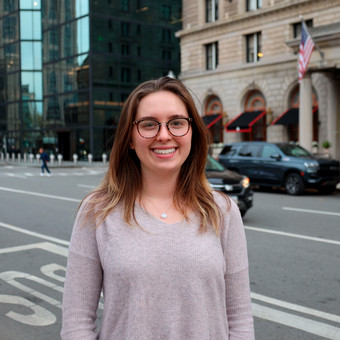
<point x="293" y="243"/>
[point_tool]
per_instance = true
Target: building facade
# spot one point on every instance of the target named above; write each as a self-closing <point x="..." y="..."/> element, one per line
<point x="67" y="66"/>
<point x="240" y="58"/>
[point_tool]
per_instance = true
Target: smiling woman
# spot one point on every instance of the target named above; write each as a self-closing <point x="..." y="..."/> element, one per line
<point x="154" y="235"/>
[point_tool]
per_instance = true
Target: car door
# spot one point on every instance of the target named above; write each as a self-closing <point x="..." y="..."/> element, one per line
<point x="270" y="166"/>
<point x="247" y="161"/>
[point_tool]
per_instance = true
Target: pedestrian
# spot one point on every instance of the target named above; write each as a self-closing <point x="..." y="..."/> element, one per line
<point x="44" y="157"/>
<point x="167" y="252"/>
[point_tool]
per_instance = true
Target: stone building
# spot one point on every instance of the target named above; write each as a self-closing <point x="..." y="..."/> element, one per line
<point x="240" y="58"/>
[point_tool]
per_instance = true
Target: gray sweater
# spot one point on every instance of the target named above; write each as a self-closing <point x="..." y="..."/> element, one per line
<point x="166" y="282"/>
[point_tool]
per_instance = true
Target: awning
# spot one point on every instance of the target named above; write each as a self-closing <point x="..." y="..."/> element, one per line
<point x="244" y="121"/>
<point x="210" y="120"/>
<point x="291" y="116"/>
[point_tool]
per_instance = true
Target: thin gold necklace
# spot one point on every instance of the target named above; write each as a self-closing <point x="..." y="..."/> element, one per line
<point x="164" y="214"/>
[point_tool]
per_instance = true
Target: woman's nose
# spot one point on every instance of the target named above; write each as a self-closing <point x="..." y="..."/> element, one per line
<point x="164" y="133"/>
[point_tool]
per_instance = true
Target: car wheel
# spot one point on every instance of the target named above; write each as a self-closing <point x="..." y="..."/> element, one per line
<point x="294" y="184"/>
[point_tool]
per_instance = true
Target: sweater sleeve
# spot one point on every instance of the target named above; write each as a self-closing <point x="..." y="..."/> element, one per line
<point x="83" y="283"/>
<point x="238" y="302"/>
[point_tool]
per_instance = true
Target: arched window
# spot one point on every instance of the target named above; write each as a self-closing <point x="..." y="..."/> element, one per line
<point x="213" y="118"/>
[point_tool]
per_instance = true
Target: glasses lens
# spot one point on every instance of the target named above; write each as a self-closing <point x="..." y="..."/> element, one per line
<point x="178" y="127"/>
<point x="148" y="128"/>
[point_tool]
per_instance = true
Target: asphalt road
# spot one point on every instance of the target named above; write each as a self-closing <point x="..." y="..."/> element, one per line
<point x="293" y="243"/>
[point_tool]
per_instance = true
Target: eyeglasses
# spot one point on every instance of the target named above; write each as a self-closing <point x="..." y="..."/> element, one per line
<point x="149" y="128"/>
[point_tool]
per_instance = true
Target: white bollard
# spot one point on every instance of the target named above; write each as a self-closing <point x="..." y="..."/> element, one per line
<point x="31" y="156"/>
<point x="19" y="157"/>
<point x="60" y="158"/>
<point x="1" y="156"/>
<point x="90" y="158"/>
<point x="104" y="156"/>
<point x="75" y="158"/>
<point x="13" y="157"/>
<point x="7" y="157"/>
<point x="37" y="156"/>
<point x="52" y="157"/>
<point x="25" y="157"/>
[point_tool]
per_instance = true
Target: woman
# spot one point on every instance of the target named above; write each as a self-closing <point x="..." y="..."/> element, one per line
<point x="168" y="253"/>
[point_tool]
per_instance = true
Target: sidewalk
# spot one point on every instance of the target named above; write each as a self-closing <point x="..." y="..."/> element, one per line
<point x="56" y="165"/>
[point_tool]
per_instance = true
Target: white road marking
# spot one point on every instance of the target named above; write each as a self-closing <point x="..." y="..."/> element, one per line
<point x="86" y="186"/>
<point x="322" y="212"/>
<point x="282" y="233"/>
<point x="31" y="233"/>
<point x="15" y="175"/>
<point x="297" y="308"/>
<point x="39" y="194"/>
<point x="298" y="322"/>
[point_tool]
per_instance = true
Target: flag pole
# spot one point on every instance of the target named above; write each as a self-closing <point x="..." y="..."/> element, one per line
<point x="322" y="54"/>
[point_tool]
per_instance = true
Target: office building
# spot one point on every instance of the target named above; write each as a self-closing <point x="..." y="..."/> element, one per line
<point x="67" y="66"/>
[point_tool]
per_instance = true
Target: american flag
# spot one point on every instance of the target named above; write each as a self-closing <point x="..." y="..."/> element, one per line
<point x="306" y="48"/>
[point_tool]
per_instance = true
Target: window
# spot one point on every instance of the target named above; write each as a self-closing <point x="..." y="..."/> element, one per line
<point x="166" y="55"/>
<point x="249" y="151"/>
<point x="124" y="28"/>
<point x="139" y="51"/>
<point x="253" y="5"/>
<point x="125" y="49"/>
<point x="166" y="35"/>
<point x="166" y="12"/>
<point x="125" y="75"/>
<point x="211" y="56"/>
<point x="211" y="7"/>
<point x="124" y="5"/>
<point x="254" y="47"/>
<point x="269" y="151"/>
<point x="297" y="28"/>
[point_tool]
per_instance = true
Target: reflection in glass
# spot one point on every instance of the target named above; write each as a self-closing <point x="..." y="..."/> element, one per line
<point x="9" y="29"/>
<point x="83" y="38"/>
<point x="31" y="55"/>
<point x="32" y="115"/>
<point x="31" y="84"/>
<point x="30" y="22"/>
<point x="82" y="8"/>
<point x="9" y="56"/>
<point x="30" y="4"/>
<point x="13" y="86"/>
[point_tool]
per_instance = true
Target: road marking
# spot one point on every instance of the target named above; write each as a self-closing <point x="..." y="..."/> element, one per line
<point x="295" y="321"/>
<point x="31" y="233"/>
<point x="297" y="308"/>
<point x="86" y="186"/>
<point x="41" y="195"/>
<point x="14" y="175"/>
<point x="282" y="233"/>
<point x="312" y="211"/>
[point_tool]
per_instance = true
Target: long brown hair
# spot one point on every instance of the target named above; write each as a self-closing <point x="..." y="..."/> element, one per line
<point x="123" y="181"/>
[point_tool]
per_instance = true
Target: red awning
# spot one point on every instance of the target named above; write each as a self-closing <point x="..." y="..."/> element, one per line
<point x="291" y="116"/>
<point x="210" y="120"/>
<point x="244" y="121"/>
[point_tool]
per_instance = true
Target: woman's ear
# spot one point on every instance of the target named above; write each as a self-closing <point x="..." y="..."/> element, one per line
<point x="131" y="146"/>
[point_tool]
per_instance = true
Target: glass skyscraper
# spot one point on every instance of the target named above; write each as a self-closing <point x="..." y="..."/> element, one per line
<point x="67" y="66"/>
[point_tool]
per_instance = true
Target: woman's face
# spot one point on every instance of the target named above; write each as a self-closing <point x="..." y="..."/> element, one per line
<point x="164" y="153"/>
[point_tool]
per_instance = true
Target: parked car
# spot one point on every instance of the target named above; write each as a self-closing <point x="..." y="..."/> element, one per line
<point x="235" y="185"/>
<point x="281" y="165"/>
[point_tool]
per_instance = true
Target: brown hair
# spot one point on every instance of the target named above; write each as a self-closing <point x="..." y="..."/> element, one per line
<point x="123" y="181"/>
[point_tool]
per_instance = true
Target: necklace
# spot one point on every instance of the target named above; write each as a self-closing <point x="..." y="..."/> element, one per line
<point x="163" y="215"/>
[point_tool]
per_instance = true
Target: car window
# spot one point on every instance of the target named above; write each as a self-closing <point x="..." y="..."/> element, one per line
<point x="249" y="151"/>
<point x="213" y="165"/>
<point x="229" y="150"/>
<point x="293" y="150"/>
<point x="268" y="151"/>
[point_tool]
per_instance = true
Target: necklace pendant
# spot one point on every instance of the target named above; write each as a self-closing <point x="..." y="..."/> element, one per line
<point x="164" y="215"/>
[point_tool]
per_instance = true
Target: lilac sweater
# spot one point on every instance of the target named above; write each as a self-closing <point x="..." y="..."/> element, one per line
<point x="165" y="283"/>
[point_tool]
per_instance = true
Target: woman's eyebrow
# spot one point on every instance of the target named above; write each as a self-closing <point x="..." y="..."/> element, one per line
<point x="170" y="117"/>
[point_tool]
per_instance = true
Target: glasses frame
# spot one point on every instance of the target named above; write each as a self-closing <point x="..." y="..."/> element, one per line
<point x="136" y="122"/>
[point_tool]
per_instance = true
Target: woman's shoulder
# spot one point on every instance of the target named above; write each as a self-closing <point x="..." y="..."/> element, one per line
<point x="224" y="202"/>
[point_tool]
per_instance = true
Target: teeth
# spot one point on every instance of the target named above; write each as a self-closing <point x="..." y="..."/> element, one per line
<point x="164" y="151"/>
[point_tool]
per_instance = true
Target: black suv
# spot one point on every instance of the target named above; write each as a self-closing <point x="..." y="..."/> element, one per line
<point x="281" y="165"/>
<point x="235" y="185"/>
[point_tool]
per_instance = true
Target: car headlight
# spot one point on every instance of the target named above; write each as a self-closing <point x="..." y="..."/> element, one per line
<point x="245" y="182"/>
<point x="311" y="166"/>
